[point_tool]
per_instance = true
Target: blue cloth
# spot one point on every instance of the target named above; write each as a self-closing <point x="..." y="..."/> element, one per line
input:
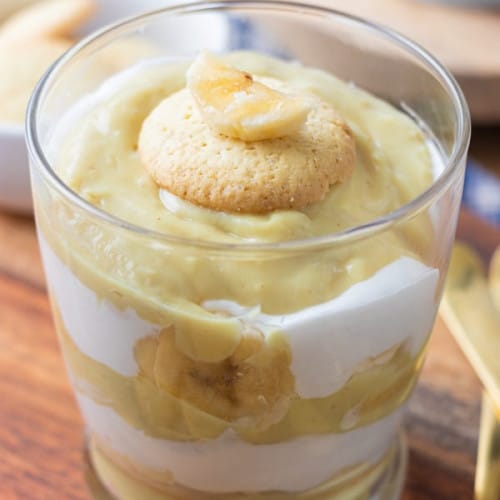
<point x="246" y="35"/>
<point x="482" y="192"/>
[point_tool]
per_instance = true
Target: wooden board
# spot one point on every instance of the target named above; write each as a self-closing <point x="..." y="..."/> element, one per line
<point x="466" y="40"/>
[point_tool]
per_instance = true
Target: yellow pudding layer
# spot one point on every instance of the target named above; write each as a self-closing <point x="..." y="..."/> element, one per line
<point x="99" y="161"/>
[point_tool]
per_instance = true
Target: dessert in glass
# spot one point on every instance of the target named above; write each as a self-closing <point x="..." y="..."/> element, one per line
<point x="245" y="235"/>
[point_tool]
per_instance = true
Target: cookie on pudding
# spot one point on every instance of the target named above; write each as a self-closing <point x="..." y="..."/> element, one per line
<point x="192" y="151"/>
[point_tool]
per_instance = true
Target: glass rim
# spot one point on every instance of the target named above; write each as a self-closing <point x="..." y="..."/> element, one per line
<point x="405" y="212"/>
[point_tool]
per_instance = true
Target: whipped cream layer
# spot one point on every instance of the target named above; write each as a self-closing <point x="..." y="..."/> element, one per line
<point x="329" y="342"/>
<point x="227" y="464"/>
<point x="99" y="329"/>
<point x="332" y="341"/>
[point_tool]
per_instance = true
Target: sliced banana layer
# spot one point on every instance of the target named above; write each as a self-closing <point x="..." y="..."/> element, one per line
<point x="251" y="388"/>
<point x="235" y="105"/>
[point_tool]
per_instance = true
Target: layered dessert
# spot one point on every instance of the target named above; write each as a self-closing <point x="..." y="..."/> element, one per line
<point x="221" y="343"/>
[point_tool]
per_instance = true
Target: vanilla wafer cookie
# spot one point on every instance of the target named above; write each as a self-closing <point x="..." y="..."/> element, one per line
<point x="50" y="18"/>
<point x="21" y="69"/>
<point x="184" y="156"/>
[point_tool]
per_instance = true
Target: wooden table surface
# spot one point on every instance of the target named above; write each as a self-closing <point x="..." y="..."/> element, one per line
<point x="41" y="431"/>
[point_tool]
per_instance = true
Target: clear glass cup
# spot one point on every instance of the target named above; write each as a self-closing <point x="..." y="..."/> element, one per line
<point x="123" y="295"/>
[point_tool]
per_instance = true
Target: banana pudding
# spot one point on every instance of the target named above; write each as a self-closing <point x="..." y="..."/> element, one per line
<point x="225" y="360"/>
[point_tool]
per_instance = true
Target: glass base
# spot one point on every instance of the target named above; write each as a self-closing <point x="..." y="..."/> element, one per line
<point x="384" y="481"/>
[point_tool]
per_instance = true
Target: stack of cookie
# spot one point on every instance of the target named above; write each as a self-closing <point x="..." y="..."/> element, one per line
<point x="31" y="40"/>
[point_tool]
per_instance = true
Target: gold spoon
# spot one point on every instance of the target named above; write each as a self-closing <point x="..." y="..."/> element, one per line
<point x="472" y="313"/>
<point x="494" y="278"/>
<point x="487" y="484"/>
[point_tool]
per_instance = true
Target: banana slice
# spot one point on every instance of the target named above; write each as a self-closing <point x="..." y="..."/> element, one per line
<point x="252" y="388"/>
<point x="235" y="105"/>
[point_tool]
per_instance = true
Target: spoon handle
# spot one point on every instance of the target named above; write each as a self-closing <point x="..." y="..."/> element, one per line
<point x="487" y="484"/>
<point x="471" y="316"/>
